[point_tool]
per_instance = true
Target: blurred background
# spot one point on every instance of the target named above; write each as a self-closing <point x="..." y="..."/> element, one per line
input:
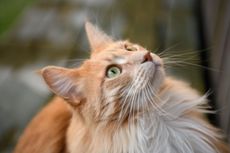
<point x="37" y="33"/>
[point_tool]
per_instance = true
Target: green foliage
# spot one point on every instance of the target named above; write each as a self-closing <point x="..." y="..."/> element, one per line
<point x="9" y="11"/>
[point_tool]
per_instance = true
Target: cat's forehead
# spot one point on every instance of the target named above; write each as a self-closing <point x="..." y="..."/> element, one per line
<point x="117" y="51"/>
<point x="108" y="57"/>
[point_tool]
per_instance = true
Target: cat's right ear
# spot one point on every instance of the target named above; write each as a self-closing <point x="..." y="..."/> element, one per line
<point x="98" y="40"/>
<point x="63" y="82"/>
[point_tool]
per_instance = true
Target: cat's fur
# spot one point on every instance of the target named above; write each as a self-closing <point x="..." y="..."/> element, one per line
<point x="140" y="111"/>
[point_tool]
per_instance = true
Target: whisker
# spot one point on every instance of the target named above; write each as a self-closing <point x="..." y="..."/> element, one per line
<point x="162" y="103"/>
<point x="154" y="102"/>
<point x="175" y="53"/>
<point x="125" y="104"/>
<point x="169" y="48"/>
<point x="179" y="53"/>
<point x="179" y="63"/>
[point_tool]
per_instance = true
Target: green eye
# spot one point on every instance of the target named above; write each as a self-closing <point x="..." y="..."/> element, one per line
<point x="113" y="72"/>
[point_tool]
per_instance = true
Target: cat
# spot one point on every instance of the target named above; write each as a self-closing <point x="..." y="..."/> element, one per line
<point x="120" y="100"/>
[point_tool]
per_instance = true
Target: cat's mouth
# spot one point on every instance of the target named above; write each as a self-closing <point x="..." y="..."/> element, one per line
<point x="149" y="76"/>
<point x="156" y="63"/>
<point x="149" y="69"/>
<point x="152" y="58"/>
<point x="145" y="75"/>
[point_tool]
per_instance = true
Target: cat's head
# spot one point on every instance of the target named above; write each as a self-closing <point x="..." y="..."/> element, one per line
<point x="119" y="81"/>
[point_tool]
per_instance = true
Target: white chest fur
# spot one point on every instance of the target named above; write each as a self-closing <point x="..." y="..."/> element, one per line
<point x="174" y="130"/>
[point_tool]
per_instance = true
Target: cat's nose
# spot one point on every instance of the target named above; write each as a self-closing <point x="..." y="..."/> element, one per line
<point x="147" y="58"/>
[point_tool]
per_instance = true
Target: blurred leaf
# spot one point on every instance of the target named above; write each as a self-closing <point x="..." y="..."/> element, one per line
<point x="9" y="11"/>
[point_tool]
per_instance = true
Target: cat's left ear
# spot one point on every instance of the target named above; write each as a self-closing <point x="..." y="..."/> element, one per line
<point x="64" y="83"/>
<point x="98" y="40"/>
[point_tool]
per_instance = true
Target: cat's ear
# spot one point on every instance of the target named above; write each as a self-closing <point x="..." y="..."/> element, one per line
<point x="97" y="38"/>
<point x="63" y="82"/>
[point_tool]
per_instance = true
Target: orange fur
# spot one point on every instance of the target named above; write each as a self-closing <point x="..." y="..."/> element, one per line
<point x="47" y="131"/>
<point x="117" y="115"/>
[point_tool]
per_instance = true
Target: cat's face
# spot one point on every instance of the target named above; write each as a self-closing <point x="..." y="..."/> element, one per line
<point x="119" y="81"/>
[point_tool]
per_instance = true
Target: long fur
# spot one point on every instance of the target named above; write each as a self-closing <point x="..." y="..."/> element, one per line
<point x="179" y="127"/>
<point x="142" y="110"/>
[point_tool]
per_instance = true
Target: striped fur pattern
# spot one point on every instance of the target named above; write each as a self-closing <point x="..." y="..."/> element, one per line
<point x="142" y="110"/>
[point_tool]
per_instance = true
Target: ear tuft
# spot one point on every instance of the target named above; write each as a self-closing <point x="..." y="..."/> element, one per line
<point x="97" y="38"/>
<point x="62" y="82"/>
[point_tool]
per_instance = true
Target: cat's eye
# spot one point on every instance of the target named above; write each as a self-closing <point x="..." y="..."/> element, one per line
<point x="129" y="47"/>
<point x="113" y="71"/>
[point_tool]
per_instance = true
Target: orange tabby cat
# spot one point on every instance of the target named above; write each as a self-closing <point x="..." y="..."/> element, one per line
<point x="119" y="101"/>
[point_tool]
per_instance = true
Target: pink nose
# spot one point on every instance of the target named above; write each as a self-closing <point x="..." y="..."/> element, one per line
<point x="147" y="58"/>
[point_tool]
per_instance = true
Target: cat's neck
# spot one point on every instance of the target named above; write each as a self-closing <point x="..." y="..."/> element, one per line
<point x="178" y="129"/>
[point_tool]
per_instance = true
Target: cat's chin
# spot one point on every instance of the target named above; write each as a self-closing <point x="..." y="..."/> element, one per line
<point x="148" y="80"/>
<point x="154" y="74"/>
